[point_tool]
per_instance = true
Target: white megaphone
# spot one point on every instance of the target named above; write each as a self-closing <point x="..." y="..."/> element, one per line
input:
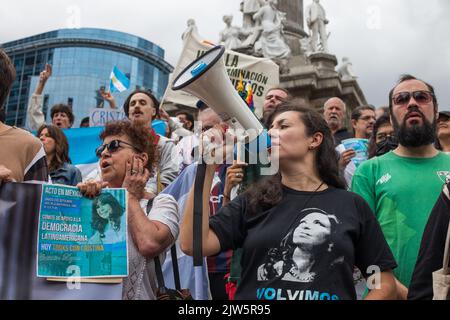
<point x="207" y="79"/>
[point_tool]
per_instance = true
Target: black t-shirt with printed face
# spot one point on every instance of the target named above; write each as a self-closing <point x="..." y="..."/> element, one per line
<point x="306" y="247"/>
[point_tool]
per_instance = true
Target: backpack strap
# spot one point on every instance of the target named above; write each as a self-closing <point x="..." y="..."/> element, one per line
<point x="158" y="268"/>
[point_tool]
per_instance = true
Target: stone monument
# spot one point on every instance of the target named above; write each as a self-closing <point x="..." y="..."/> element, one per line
<point x="229" y="37"/>
<point x="275" y="29"/>
<point x="271" y="43"/>
<point x="317" y="21"/>
<point x="346" y="70"/>
<point x="312" y="68"/>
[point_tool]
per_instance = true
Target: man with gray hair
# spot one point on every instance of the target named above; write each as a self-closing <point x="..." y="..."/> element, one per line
<point x="334" y="112"/>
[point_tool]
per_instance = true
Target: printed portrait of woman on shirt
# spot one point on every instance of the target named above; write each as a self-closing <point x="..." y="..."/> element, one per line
<point x="306" y="251"/>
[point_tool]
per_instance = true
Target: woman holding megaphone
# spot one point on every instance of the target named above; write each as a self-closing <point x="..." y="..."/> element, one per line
<point x="300" y="232"/>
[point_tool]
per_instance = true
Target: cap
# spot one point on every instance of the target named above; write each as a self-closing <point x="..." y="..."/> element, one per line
<point x="444" y="113"/>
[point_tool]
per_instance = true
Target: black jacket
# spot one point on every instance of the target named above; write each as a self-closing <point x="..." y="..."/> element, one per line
<point x="431" y="254"/>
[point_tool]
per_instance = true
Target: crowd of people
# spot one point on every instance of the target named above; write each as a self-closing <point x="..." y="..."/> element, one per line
<point x="302" y="233"/>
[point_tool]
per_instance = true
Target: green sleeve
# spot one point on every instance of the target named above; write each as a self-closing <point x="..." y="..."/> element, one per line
<point x="364" y="185"/>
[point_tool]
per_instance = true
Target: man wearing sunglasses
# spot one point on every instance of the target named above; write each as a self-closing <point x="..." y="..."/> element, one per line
<point x="403" y="185"/>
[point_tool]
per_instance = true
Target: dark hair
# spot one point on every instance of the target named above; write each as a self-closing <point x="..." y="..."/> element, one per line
<point x="381" y="122"/>
<point x="98" y="223"/>
<point x="64" y="109"/>
<point x="385" y="110"/>
<point x="126" y="105"/>
<point x="61" y="146"/>
<point x="141" y="138"/>
<point x="2" y="114"/>
<point x="189" y="117"/>
<point x="7" y="76"/>
<point x="84" y="121"/>
<point x="357" y="113"/>
<point x="408" y="77"/>
<point x="285" y="251"/>
<point x="268" y="193"/>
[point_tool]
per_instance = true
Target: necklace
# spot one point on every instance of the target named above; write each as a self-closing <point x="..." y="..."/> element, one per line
<point x="306" y="203"/>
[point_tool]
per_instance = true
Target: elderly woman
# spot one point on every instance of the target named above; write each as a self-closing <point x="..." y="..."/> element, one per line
<point x="332" y="227"/>
<point x="127" y="157"/>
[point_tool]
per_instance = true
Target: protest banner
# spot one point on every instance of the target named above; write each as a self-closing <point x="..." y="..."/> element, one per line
<point x="87" y="237"/>
<point x="19" y="221"/>
<point x="263" y="73"/>
<point x="100" y="116"/>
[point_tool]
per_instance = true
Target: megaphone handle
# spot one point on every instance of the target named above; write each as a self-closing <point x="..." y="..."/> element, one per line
<point x="239" y="147"/>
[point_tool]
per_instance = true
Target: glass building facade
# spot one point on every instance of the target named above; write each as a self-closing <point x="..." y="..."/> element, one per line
<point x="82" y="61"/>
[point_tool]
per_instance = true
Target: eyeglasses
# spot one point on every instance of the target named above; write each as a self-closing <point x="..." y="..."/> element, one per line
<point x="112" y="147"/>
<point x="384" y="136"/>
<point x="420" y="96"/>
<point x="367" y="118"/>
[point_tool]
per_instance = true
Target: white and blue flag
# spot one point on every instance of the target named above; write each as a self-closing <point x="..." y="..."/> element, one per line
<point x="83" y="143"/>
<point x="119" y="82"/>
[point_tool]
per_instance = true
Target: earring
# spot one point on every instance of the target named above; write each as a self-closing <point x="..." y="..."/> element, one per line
<point x="330" y="247"/>
<point x="311" y="148"/>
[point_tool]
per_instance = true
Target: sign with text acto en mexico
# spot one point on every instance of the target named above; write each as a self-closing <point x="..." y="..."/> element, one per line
<point x="100" y="116"/>
<point x="81" y="236"/>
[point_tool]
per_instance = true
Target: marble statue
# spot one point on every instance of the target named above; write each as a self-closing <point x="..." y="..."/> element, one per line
<point x="271" y="43"/>
<point x="346" y="70"/>
<point x="229" y="37"/>
<point x="249" y="8"/>
<point x="317" y="21"/>
<point x="306" y="46"/>
<point x="191" y="27"/>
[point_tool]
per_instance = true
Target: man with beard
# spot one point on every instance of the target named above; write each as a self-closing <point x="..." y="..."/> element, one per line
<point x="334" y="112"/>
<point x="141" y="108"/>
<point x="273" y="99"/>
<point x="402" y="186"/>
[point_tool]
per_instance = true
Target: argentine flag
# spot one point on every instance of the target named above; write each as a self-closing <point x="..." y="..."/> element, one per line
<point x="84" y="141"/>
<point x="119" y="82"/>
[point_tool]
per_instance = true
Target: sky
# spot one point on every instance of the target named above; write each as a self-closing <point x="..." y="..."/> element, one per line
<point x="382" y="38"/>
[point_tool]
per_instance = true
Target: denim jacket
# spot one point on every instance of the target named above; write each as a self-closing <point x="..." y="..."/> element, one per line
<point x="68" y="175"/>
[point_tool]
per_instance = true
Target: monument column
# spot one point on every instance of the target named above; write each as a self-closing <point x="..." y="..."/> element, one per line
<point x="294" y="29"/>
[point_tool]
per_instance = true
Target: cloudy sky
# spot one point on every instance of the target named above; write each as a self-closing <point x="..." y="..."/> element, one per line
<point x="382" y="38"/>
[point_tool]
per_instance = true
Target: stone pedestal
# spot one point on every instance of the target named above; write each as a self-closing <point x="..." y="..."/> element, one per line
<point x="317" y="80"/>
<point x="294" y="27"/>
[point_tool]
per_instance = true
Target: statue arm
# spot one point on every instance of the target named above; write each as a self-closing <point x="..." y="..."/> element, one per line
<point x="258" y="15"/>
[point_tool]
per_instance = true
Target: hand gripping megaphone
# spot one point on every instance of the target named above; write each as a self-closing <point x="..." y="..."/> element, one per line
<point x="207" y="79"/>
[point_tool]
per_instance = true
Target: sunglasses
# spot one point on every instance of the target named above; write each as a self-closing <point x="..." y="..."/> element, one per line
<point x="112" y="147"/>
<point x="420" y="96"/>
